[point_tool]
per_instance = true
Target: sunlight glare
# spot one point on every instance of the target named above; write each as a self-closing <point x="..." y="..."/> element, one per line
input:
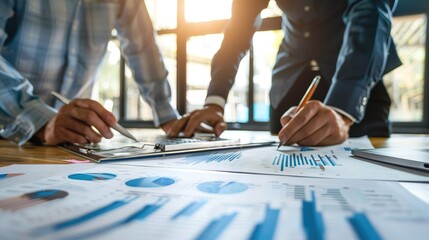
<point x="207" y="10"/>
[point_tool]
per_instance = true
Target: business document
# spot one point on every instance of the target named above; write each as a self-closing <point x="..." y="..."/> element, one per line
<point x="107" y="201"/>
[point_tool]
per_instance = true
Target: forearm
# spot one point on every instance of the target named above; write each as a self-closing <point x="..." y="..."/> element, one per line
<point x="22" y="114"/>
<point x="138" y="43"/>
<point x="362" y="57"/>
<point x="245" y="21"/>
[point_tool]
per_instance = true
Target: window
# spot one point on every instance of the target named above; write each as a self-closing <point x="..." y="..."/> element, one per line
<point x="406" y="83"/>
<point x="189" y="34"/>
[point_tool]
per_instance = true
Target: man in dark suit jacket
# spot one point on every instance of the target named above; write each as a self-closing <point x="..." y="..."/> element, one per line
<point x="348" y="43"/>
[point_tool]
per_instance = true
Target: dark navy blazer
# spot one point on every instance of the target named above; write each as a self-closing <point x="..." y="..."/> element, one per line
<point x="349" y="40"/>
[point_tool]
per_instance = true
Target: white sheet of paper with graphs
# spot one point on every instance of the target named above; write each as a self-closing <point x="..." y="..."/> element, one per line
<point x="325" y="162"/>
<point x="127" y="202"/>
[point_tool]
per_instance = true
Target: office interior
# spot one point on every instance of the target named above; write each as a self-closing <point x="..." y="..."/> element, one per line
<point x="189" y="39"/>
<point x="232" y="193"/>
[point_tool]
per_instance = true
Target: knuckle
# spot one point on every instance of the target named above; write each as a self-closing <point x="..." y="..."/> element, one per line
<point x="87" y="131"/>
<point x="330" y="114"/>
<point x="96" y="139"/>
<point x="333" y="128"/>
<point x="79" y="139"/>
<point x="314" y="104"/>
<point x="103" y="128"/>
<point x="90" y="117"/>
<point x="302" y="118"/>
<point x="75" y="101"/>
<point x="306" y="133"/>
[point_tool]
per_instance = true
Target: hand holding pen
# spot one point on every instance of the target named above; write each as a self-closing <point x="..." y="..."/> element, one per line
<point x="307" y="96"/>
<point x="75" y="121"/>
<point x="313" y="123"/>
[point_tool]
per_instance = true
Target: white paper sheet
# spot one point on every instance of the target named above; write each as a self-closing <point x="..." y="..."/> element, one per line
<point x="22" y="173"/>
<point x="125" y="202"/>
<point x="323" y="162"/>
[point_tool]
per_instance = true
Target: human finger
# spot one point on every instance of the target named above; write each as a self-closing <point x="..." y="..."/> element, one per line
<point x="307" y="130"/>
<point x="55" y="133"/>
<point x="90" y="117"/>
<point x="178" y="126"/>
<point x="64" y="121"/>
<point x="199" y="117"/>
<point x="219" y="128"/>
<point x="287" y="116"/>
<point x="71" y="136"/>
<point x="204" y="128"/>
<point x="95" y="106"/>
<point x="298" y="120"/>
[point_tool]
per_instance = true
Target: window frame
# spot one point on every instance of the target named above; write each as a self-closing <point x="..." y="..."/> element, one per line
<point x="414" y="7"/>
<point x="184" y="30"/>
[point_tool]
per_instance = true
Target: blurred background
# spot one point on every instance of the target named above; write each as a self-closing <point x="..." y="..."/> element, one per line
<point x="189" y="34"/>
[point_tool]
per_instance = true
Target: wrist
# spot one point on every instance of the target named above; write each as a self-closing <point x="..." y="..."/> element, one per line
<point x="39" y="137"/>
<point x="349" y="122"/>
<point x="214" y="107"/>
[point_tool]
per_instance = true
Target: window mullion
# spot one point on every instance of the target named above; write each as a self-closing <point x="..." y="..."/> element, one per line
<point x="250" y="95"/>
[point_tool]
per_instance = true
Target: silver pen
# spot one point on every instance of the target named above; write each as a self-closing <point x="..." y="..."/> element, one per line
<point x="117" y="127"/>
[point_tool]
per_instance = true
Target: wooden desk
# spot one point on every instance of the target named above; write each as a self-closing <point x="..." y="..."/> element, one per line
<point x="402" y="141"/>
<point x="31" y="154"/>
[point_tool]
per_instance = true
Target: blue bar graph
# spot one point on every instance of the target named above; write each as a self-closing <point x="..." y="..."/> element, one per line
<point x="213" y="157"/>
<point x="322" y="160"/>
<point x="84" y="218"/>
<point x="190" y="209"/>
<point x="283" y="161"/>
<point x="294" y="159"/>
<point x="267" y="228"/>
<point x="363" y="227"/>
<point x="312" y="220"/>
<point x="331" y="161"/>
<point x="140" y="215"/>
<point x="216" y="227"/>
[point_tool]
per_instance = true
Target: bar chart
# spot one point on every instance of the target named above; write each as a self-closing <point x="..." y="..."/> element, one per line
<point x="216" y="157"/>
<point x="283" y="161"/>
<point x="322" y="162"/>
<point x="210" y="205"/>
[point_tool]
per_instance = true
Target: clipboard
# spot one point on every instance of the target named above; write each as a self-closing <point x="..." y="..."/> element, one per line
<point x="156" y="145"/>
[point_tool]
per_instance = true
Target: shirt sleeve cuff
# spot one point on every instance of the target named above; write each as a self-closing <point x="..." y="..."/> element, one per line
<point x="349" y="98"/>
<point x="33" y="117"/>
<point x="217" y="100"/>
<point x="344" y="113"/>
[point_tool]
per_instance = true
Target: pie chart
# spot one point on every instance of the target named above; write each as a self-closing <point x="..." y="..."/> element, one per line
<point x="150" y="182"/>
<point x="92" y="176"/>
<point x="222" y="187"/>
<point x="8" y="175"/>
